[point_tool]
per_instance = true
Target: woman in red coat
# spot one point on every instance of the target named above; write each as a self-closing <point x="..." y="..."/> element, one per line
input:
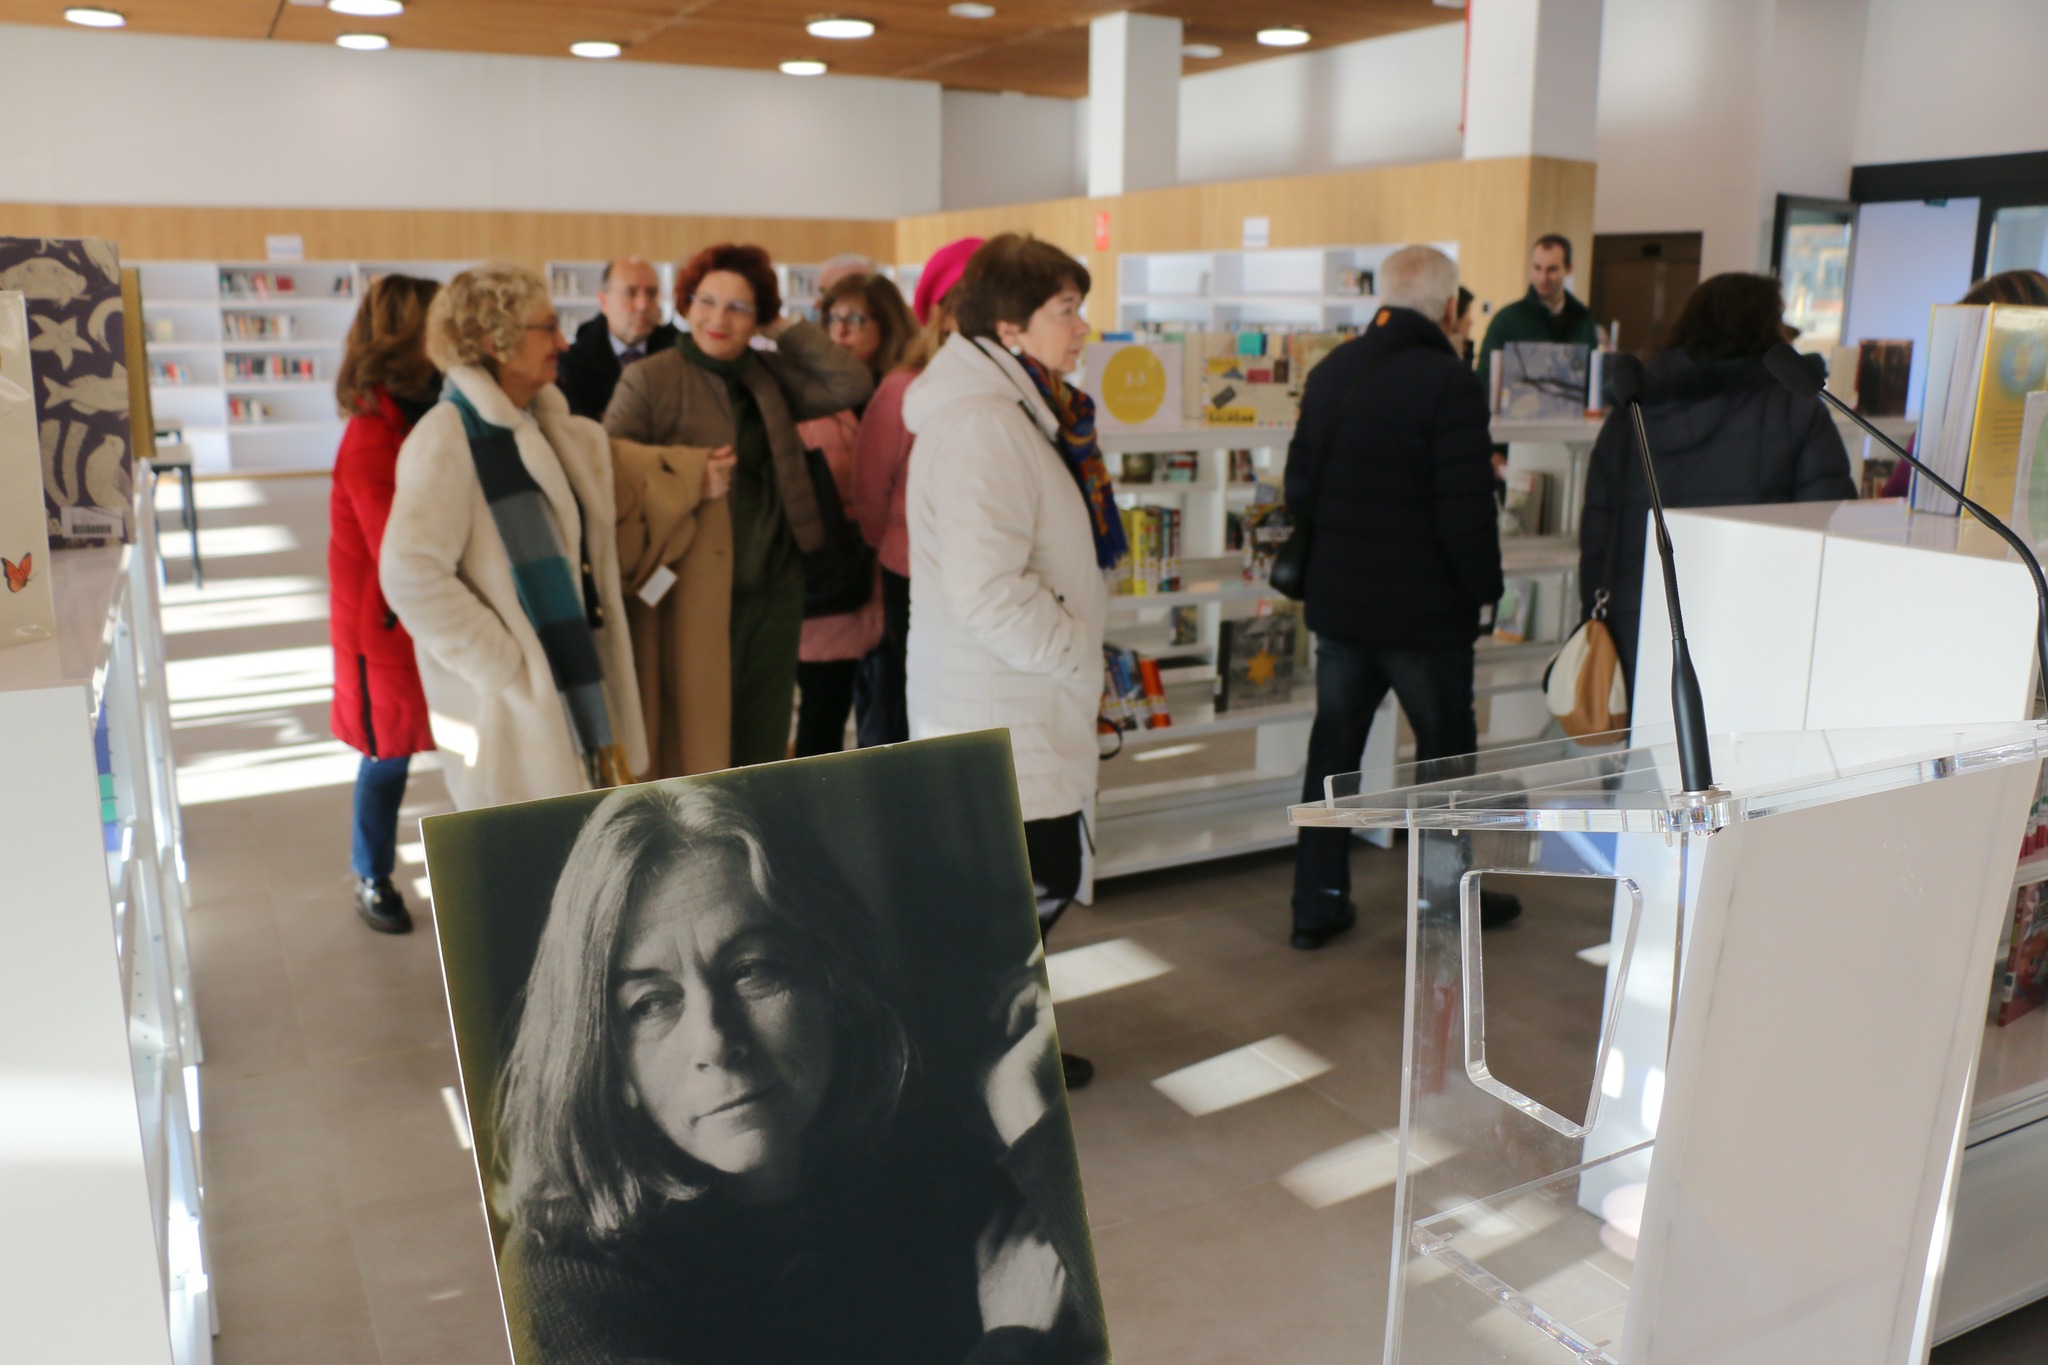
<point x="386" y="384"/>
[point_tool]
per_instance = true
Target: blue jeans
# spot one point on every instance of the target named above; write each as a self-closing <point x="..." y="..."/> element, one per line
<point x="380" y="787"/>
<point x="1434" y="687"/>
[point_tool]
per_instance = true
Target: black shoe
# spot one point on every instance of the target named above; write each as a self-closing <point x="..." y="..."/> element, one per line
<point x="1078" y="1071"/>
<point x="1497" y="908"/>
<point x="1314" y="936"/>
<point x="381" y="907"/>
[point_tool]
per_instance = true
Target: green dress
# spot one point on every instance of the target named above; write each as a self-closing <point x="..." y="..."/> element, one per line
<point x="767" y="578"/>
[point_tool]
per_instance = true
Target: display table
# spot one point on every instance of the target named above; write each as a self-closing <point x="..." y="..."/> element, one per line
<point x="102" y="1251"/>
<point x="1805" y="972"/>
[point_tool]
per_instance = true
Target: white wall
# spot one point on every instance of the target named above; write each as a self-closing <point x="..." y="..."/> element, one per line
<point x="135" y="119"/>
<point x="1952" y="78"/>
<point x="1376" y="102"/>
<point x="1010" y="149"/>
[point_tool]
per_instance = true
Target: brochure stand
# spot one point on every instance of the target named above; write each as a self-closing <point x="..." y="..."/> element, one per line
<point x="1814" y="945"/>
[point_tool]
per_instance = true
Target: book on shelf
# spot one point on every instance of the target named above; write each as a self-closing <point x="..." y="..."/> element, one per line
<point x="2015" y="364"/>
<point x="1948" y="404"/>
<point x="1183" y="625"/>
<point x="1153" y="562"/>
<point x="1242" y="468"/>
<point x="257" y="326"/>
<point x="1181" y="467"/>
<point x="1354" y="280"/>
<point x="1511" y="615"/>
<point x="2029" y="517"/>
<point x="1255" y="659"/>
<point x="1262" y="529"/>
<point x="1883" y="369"/>
<point x="272" y="369"/>
<point x="563" y="283"/>
<point x="250" y="410"/>
<point x="1524" y="499"/>
<point x="1540" y="381"/>
<point x="1136" y="384"/>
<point x="1138" y="466"/>
<point x="169" y="372"/>
<point x="1133" y="691"/>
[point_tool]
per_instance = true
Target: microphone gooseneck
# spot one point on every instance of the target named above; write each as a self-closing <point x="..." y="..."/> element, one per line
<point x="1688" y="709"/>
<point x="1789" y="369"/>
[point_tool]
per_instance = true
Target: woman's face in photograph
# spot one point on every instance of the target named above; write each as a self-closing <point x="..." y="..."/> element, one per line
<point x="723" y="1026"/>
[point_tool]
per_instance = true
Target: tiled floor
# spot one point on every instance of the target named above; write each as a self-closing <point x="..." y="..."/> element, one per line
<point x="345" y="1216"/>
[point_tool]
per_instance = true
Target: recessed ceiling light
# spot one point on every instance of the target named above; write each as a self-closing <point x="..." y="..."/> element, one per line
<point x="96" y="18"/>
<point x="363" y="42"/>
<point x="368" y="9"/>
<point x="597" y="50"/>
<point x="971" y="9"/>
<point x="1203" y="51"/>
<point x="840" y="28"/>
<point x="803" y="68"/>
<point x="1283" y="37"/>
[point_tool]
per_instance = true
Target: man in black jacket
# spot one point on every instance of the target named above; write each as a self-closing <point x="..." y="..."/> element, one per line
<point x="1404" y="569"/>
<point x="628" y="327"/>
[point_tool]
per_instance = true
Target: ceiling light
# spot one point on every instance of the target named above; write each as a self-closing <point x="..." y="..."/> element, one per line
<point x="596" y="50"/>
<point x="840" y="28"/>
<point x="368" y="9"/>
<point x="971" y="9"/>
<point x="803" y="68"/>
<point x="1283" y="37"/>
<point x="363" y="42"/>
<point x="96" y="18"/>
<point x="1203" y="51"/>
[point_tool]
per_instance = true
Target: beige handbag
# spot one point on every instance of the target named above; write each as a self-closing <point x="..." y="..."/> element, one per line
<point x="1583" y="686"/>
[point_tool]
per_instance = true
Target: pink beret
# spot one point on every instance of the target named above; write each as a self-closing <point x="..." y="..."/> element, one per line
<point x="940" y="274"/>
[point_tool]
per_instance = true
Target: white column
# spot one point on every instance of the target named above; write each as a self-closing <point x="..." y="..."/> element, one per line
<point x="1532" y="80"/>
<point x="1133" y="103"/>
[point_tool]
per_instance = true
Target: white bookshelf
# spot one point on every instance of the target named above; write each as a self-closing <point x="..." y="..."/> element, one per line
<point x="1214" y="786"/>
<point x="243" y="354"/>
<point x="1221" y="291"/>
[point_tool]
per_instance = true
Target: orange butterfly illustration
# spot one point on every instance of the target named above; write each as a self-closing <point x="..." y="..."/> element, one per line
<point x="17" y="574"/>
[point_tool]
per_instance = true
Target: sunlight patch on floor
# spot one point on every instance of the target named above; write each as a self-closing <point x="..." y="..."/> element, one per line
<point x="1098" y="967"/>
<point x="1241" y="1075"/>
<point x="268" y="772"/>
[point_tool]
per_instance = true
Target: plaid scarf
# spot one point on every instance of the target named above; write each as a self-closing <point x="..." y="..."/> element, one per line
<point x="560" y="615"/>
<point x="1075" y="412"/>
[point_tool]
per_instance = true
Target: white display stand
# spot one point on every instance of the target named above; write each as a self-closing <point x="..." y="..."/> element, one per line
<point x="1218" y="291"/>
<point x="1823" y="615"/>
<point x="102" y="1247"/>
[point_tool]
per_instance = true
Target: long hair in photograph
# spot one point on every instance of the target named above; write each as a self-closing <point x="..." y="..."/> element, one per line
<point x="574" y="1158"/>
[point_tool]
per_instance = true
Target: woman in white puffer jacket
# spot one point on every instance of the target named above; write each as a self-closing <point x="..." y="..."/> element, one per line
<point x="1012" y="521"/>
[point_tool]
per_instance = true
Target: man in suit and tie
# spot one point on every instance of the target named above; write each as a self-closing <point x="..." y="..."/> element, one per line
<point x="627" y="328"/>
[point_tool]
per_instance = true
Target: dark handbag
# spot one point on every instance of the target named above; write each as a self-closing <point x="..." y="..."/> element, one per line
<point x="1289" y="574"/>
<point x="839" y="576"/>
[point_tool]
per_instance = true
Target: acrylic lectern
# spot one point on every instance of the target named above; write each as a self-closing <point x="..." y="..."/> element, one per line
<point x="1763" y="1168"/>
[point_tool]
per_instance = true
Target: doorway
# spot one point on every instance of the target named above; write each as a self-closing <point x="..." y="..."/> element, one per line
<point x="1641" y="280"/>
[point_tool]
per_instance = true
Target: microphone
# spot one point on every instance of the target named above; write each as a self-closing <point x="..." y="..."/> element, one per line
<point x="1789" y="368"/>
<point x="1688" y="711"/>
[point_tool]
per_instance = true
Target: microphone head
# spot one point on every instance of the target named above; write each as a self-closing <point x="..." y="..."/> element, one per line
<point x="1790" y="368"/>
<point x="1624" y="378"/>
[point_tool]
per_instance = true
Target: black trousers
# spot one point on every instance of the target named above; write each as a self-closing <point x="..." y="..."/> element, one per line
<point x="1435" y="690"/>
<point x="824" y="701"/>
<point x="881" y="715"/>
<point x="1054" y="848"/>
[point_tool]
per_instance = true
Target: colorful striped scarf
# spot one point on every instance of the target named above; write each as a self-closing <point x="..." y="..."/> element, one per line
<point x="561" y="613"/>
<point x="1075" y="412"/>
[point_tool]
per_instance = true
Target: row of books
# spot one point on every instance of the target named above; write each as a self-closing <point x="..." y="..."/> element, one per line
<point x="272" y="368"/>
<point x="1982" y="362"/>
<point x="563" y="283"/>
<point x="1181" y="466"/>
<point x="1153" y="564"/>
<point x="169" y="372"/>
<point x="2022" y="984"/>
<point x="247" y="409"/>
<point x="264" y="284"/>
<point x="257" y="326"/>
<point x="1133" y="691"/>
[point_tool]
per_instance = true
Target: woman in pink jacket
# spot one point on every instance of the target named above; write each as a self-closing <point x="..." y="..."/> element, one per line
<point x="864" y="314"/>
<point x="881" y="473"/>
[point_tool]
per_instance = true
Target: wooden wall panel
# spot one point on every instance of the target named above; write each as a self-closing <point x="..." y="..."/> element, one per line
<point x="236" y="234"/>
<point x="1493" y="209"/>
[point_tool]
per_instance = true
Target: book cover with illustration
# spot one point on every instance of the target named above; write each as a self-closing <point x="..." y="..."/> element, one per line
<point x="78" y="355"/>
<point x="1544" y="380"/>
<point x="27" y="610"/>
<point x="2029" y="516"/>
<point x="2015" y="364"/>
<point x="1136" y="387"/>
<point x="1882" y="371"/>
<point x="1255" y="660"/>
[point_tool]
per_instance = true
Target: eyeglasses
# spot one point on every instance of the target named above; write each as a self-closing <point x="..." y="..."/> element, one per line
<point x="551" y="324"/>
<point x="856" y="321"/>
<point x="711" y="305"/>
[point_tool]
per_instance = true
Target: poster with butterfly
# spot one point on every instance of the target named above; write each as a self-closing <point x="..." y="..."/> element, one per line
<point x="77" y="341"/>
<point x="27" y="610"/>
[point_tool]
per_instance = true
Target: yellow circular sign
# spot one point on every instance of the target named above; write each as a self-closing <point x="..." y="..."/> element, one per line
<point x="1134" y="385"/>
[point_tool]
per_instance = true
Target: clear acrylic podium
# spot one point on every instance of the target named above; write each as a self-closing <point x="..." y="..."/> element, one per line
<point x="1764" y="1166"/>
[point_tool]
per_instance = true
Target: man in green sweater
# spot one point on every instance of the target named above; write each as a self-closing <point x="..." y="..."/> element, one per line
<point x="1547" y="312"/>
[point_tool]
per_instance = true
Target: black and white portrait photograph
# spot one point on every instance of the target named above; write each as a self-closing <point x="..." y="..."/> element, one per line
<point x="760" y="1067"/>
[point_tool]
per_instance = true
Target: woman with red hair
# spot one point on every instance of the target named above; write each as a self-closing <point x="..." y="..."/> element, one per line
<point x="717" y="389"/>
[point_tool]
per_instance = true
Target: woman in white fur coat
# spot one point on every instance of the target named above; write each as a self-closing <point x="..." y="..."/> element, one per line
<point x="515" y="719"/>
